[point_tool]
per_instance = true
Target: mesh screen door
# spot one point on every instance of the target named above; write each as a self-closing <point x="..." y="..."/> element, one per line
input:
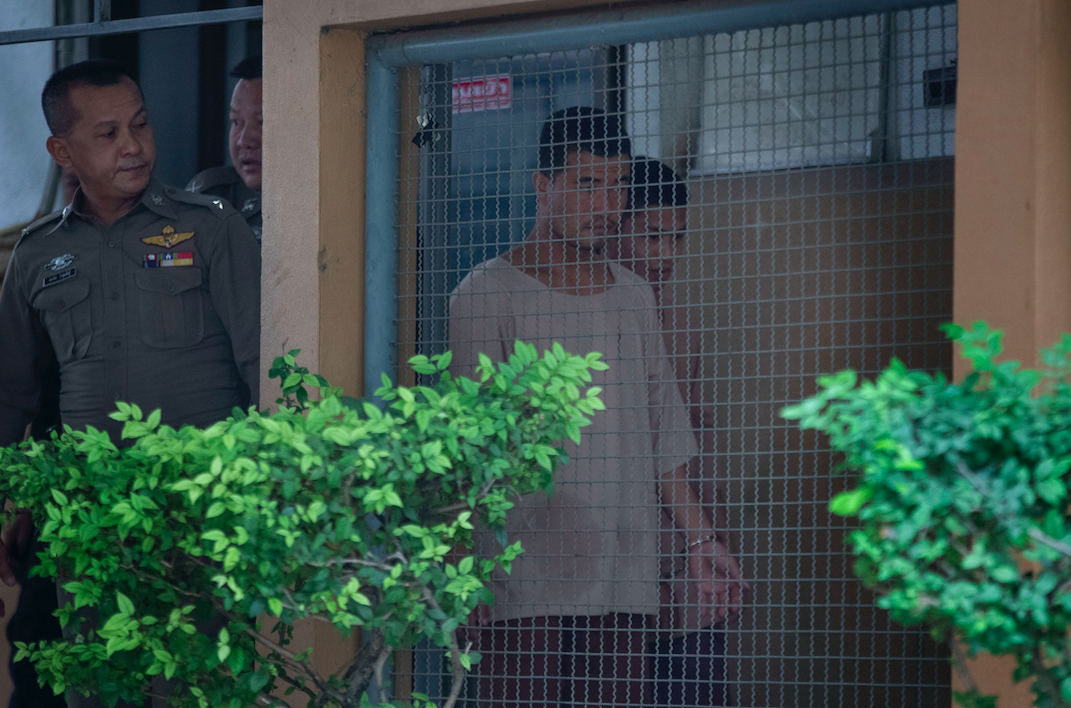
<point x="725" y="218"/>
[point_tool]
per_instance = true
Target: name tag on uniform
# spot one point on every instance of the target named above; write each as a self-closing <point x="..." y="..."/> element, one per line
<point x="59" y="277"/>
<point x="167" y="260"/>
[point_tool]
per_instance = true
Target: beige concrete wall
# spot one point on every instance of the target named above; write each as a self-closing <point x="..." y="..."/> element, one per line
<point x="1013" y="197"/>
<point x="1013" y="194"/>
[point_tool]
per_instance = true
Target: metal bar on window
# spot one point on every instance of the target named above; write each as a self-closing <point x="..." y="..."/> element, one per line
<point x="612" y="27"/>
<point x="381" y="238"/>
<point x="102" y="27"/>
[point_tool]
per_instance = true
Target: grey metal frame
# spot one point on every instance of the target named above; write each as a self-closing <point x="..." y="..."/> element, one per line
<point x="104" y="25"/>
<point x="387" y="53"/>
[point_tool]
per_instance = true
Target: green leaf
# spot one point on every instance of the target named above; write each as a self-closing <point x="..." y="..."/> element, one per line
<point x="849" y="503"/>
<point x="350" y="403"/>
<point x="126" y="607"/>
<point x="1005" y="574"/>
<point x="974" y="700"/>
<point x="952" y="331"/>
<point x="1052" y="490"/>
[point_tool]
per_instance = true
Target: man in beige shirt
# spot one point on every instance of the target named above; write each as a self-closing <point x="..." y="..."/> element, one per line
<point x="570" y="623"/>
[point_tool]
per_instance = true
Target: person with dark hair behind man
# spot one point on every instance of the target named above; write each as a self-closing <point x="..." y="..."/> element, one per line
<point x="688" y="658"/>
<point x="239" y="183"/>
<point x="136" y="291"/>
<point x="570" y="622"/>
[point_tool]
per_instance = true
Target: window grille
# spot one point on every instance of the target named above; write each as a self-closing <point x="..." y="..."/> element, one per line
<point x="818" y="237"/>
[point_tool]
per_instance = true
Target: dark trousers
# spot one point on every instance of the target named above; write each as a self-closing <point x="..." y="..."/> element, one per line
<point x="540" y="662"/>
<point x="689" y="671"/>
<point x="33" y="621"/>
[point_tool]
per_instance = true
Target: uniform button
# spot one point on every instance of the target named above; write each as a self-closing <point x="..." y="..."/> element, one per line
<point x="115" y="397"/>
<point x="115" y="296"/>
<point x="170" y="288"/>
<point x="116" y="344"/>
<point x="62" y="304"/>
<point x="111" y="244"/>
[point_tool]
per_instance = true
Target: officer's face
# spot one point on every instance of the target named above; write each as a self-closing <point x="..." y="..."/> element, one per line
<point x="584" y="200"/>
<point x="110" y="146"/>
<point x="246" y="124"/>
<point x="650" y="242"/>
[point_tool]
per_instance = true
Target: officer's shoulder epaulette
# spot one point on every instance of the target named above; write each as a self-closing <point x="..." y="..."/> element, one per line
<point x="217" y="205"/>
<point x="43" y="221"/>
<point x="211" y="178"/>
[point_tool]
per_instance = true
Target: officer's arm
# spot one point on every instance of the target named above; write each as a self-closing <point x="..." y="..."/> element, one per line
<point x="234" y="282"/>
<point x="25" y="352"/>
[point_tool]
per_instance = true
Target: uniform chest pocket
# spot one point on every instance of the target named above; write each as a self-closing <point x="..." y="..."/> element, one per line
<point x="170" y="306"/>
<point x="66" y="313"/>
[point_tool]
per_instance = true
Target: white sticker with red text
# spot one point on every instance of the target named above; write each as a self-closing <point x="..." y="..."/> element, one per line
<point x="483" y="93"/>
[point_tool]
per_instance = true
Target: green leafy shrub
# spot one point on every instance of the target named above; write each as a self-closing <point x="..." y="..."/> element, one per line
<point x="962" y="502"/>
<point x="342" y="513"/>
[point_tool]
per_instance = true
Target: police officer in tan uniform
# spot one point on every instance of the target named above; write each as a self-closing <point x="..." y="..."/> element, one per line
<point x="240" y="183"/>
<point x="138" y="291"/>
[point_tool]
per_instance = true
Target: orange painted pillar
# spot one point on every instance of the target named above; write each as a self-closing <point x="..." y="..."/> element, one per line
<point x="1013" y="196"/>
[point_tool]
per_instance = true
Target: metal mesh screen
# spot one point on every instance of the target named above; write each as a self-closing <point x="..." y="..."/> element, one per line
<point x="816" y="235"/>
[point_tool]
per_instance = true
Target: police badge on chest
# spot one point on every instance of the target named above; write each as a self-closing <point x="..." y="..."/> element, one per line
<point x="59" y="266"/>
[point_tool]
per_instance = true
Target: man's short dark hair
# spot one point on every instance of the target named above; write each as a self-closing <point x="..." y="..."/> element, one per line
<point x="655" y="184"/>
<point x="56" y="96"/>
<point x="249" y="68"/>
<point x="580" y="129"/>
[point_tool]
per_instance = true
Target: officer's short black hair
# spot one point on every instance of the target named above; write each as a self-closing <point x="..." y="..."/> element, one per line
<point x="655" y="184"/>
<point x="580" y="129"/>
<point x="55" y="98"/>
<point x="249" y="68"/>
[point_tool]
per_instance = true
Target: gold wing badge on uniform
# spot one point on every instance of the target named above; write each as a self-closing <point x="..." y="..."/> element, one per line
<point x="168" y="239"/>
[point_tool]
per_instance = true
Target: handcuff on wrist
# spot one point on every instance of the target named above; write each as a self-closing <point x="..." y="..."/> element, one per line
<point x="700" y="542"/>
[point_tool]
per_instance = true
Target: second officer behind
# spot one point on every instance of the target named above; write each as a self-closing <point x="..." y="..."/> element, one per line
<point x="240" y="184"/>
